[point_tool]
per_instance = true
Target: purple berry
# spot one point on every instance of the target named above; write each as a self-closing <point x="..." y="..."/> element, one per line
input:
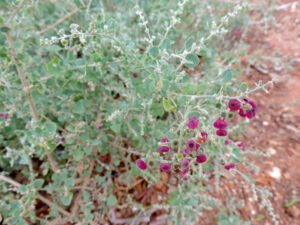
<point x="185" y="163"/>
<point x="234" y="105"/>
<point x="242" y="146"/>
<point x="250" y="113"/>
<point x="185" y="178"/>
<point x="141" y="164"/>
<point x="193" y="123"/>
<point x="190" y="145"/>
<point x="164" y="140"/>
<point x="220" y="124"/>
<point x="163" y="149"/>
<point x="201" y="158"/>
<point x="221" y="133"/>
<point x="241" y="113"/>
<point x="204" y="134"/>
<point x="229" y="166"/>
<point x="252" y="103"/>
<point x="165" y="167"/>
<point x="184" y="171"/>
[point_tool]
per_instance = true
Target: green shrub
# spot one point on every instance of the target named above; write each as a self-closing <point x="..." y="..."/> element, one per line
<point x="89" y="92"/>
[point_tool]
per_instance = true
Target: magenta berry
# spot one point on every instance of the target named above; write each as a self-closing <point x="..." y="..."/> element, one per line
<point x="229" y="166"/>
<point x="135" y="75"/>
<point x="5" y="116"/>
<point x="250" y="113"/>
<point x="221" y="133"/>
<point x="226" y="142"/>
<point x="204" y="134"/>
<point x="163" y="149"/>
<point x="184" y="171"/>
<point x="234" y="105"/>
<point x="241" y="113"/>
<point x="100" y="127"/>
<point x="190" y="145"/>
<point x="236" y="33"/>
<point x="165" y="167"/>
<point x="193" y="123"/>
<point x="220" y="124"/>
<point x="185" y="163"/>
<point x="252" y="103"/>
<point x="201" y="158"/>
<point x="62" y="139"/>
<point x="164" y="140"/>
<point x="141" y="164"/>
<point x="242" y="146"/>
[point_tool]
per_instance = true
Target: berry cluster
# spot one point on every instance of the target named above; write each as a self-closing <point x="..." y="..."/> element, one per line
<point x="5" y="116"/>
<point x="190" y="147"/>
<point x="191" y="150"/>
<point x="248" y="109"/>
<point x="221" y="126"/>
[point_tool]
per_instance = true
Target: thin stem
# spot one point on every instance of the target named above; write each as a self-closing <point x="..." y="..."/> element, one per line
<point x="10" y="181"/>
<point x="22" y="77"/>
<point x="181" y="129"/>
<point x="244" y="94"/>
<point x="58" y="22"/>
<point x="26" y="88"/>
<point x="12" y="16"/>
<point x="40" y="197"/>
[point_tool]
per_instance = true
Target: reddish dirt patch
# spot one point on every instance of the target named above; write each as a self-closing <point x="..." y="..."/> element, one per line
<point x="276" y="129"/>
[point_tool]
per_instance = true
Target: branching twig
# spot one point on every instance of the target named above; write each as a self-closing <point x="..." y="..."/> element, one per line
<point x="58" y="22"/>
<point x="77" y="202"/>
<point x="26" y="88"/>
<point x="12" y="16"/>
<point x="287" y="5"/>
<point x="40" y="197"/>
<point x="59" y="127"/>
<point x="22" y="77"/>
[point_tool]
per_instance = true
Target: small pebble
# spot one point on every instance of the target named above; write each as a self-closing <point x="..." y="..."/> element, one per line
<point x="265" y="123"/>
<point x="293" y="211"/>
<point x="272" y="151"/>
<point x="275" y="173"/>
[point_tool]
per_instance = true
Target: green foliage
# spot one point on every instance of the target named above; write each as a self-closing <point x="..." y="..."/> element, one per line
<point x="193" y="60"/>
<point x="79" y="76"/>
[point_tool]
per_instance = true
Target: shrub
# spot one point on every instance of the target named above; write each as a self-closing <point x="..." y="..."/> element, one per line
<point x="126" y="90"/>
